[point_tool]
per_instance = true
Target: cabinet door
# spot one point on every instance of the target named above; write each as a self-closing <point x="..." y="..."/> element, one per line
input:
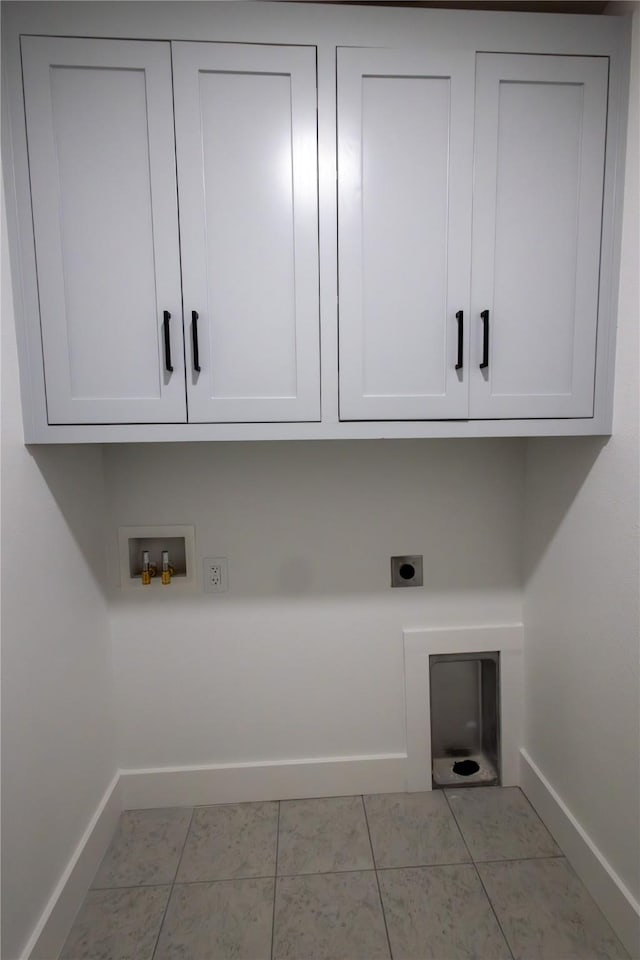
<point x="405" y="129"/>
<point x="247" y="178"/>
<point x="101" y="158"/>
<point x="537" y="207"/>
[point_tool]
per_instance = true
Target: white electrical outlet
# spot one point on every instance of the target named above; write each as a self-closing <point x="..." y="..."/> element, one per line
<point x="215" y="575"/>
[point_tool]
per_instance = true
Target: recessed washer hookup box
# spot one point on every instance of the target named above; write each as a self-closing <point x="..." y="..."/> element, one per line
<point x="465" y="719"/>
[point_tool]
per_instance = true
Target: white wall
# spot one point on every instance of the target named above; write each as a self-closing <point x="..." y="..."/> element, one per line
<point x="303" y="657"/>
<point x="58" y="751"/>
<point x="581" y="604"/>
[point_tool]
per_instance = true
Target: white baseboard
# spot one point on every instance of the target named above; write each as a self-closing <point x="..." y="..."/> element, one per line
<point x="617" y="903"/>
<point x="270" y="780"/>
<point x="56" y="919"/>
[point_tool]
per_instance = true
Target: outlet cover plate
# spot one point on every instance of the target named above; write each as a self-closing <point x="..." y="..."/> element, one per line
<point x="215" y="575"/>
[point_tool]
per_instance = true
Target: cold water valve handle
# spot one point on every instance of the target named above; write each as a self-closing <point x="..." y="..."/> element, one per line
<point x="167" y="569"/>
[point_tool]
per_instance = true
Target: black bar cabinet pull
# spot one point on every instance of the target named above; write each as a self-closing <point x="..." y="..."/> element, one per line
<point x="194" y="339"/>
<point x="485" y="340"/>
<point x="167" y="342"/>
<point x="460" y="319"/>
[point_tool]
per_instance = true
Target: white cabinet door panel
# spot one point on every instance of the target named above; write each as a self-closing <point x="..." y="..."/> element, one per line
<point x="247" y="173"/>
<point x="539" y="166"/>
<point x="101" y="155"/>
<point x="405" y="124"/>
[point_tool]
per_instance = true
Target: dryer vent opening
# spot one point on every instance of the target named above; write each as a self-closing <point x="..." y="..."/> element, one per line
<point x="466" y="768"/>
<point x="465" y="720"/>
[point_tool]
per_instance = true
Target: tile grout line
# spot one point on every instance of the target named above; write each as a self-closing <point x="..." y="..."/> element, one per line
<point x="427" y="866"/>
<point x="128" y="886"/>
<point x="493" y="910"/>
<point x="475" y="867"/>
<point x="199" y="883"/>
<point x="186" y="837"/>
<point x="459" y="828"/>
<point x="275" y="882"/>
<point x="288" y="876"/>
<point x="375" y="870"/>
<point x="328" y="873"/>
<point x="546" y="856"/>
<point x="173" y="882"/>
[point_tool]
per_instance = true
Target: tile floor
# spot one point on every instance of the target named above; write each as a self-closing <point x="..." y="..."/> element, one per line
<point x="437" y="876"/>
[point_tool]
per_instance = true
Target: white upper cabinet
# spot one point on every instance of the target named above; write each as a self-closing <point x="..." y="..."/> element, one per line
<point x="407" y="255"/>
<point x="405" y="144"/>
<point x="537" y="212"/>
<point x="247" y="173"/>
<point x="246" y="221"/>
<point x="103" y="191"/>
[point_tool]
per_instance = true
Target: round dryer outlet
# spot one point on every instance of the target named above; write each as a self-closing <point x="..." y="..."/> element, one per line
<point x="406" y="571"/>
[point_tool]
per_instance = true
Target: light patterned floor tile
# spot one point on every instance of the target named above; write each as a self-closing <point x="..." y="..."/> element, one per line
<point x="322" y="836"/>
<point x="413" y="829"/>
<point x="225" y="920"/>
<point x="145" y="849"/>
<point x="117" y="924"/>
<point x="499" y="823"/>
<point x="330" y="916"/>
<point x="231" y="841"/>
<point x="546" y="912"/>
<point x="438" y="912"/>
